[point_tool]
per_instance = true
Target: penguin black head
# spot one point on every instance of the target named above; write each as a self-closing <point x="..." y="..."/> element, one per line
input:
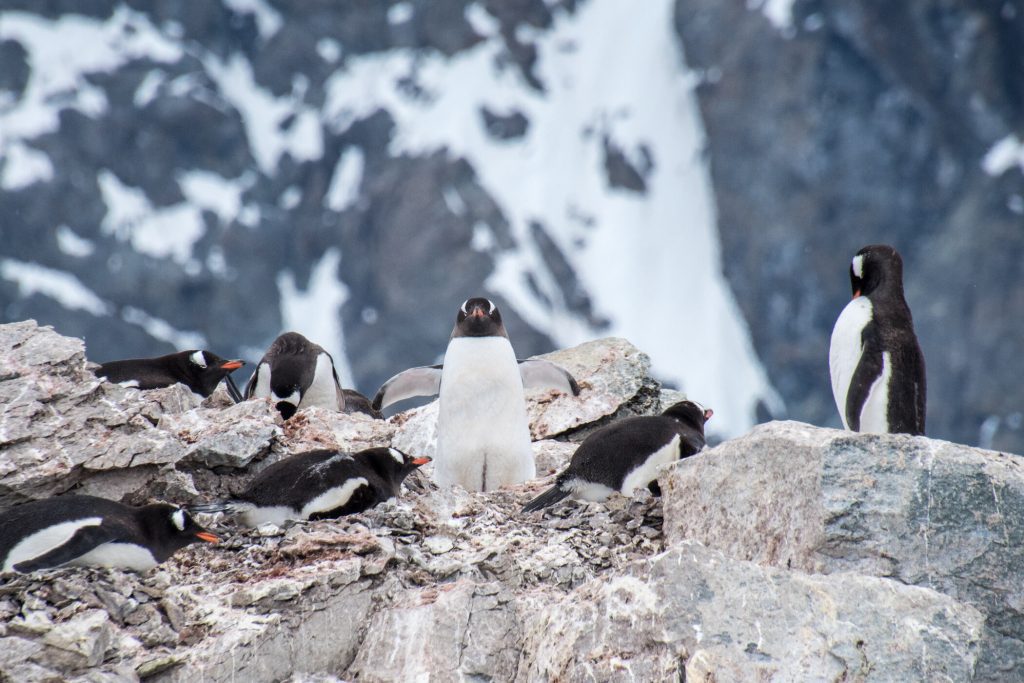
<point x="479" y="317"/>
<point x="392" y="464"/>
<point x="690" y="413"/>
<point x="874" y="266"/>
<point x="170" y="528"/>
<point x="203" y="370"/>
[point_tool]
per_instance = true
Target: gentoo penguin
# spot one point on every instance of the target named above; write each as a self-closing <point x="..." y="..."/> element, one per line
<point x="878" y="377"/>
<point x="200" y="371"/>
<point x="320" y="484"/>
<point x="85" y="530"/>
<point x="296" y="373"/>
<point x="483" y="438"/>
<point x="625" y="455"/>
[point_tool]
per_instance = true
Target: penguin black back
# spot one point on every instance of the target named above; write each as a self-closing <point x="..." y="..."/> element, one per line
<point x="93" y="531"/>
<point x="201" y="371"/>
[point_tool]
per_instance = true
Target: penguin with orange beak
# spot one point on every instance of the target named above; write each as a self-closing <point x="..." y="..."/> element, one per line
<point x="200" y="371"/>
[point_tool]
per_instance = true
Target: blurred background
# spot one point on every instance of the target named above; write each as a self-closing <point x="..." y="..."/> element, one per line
<point x="693" y="175"/>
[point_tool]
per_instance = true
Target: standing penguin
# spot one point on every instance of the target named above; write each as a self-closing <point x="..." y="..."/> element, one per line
<point x="626" y="454"/>
<point x="296" y="373"/>
<point x="483" y="437"/>
<point x="877" y="368"/>
<point x="90" y="531"/>
<point x="200" y="371"/>
<point x="319" y="484"/>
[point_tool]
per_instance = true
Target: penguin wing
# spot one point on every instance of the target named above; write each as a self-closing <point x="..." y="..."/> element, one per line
<point x="84" y="540"/>
<point x="423" y="381"/>
<point x="543" y="374"/>
<point x="869" y="367"/>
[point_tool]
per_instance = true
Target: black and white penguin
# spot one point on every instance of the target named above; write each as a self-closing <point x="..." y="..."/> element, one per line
<point x="626" y="454"/>
<point x="877" y="368"/>
<point x="483" y="437"/>
<point x="296" y="373"/>
<point x="200" y="371"/>
<point x="320" y="484"/>
<point x="90" y="531"/>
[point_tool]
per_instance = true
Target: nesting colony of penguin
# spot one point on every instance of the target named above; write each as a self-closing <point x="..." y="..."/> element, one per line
<point x="483" y="434"/>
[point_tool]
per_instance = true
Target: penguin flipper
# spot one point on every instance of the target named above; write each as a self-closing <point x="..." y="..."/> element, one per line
<point x="84" y="540"/>
<point x="549" y="497"/>
<point x="869" y="368"/>
<point x="543" y="374"/>
<point x="422" y="381"/>
<point x="232" y="388"/>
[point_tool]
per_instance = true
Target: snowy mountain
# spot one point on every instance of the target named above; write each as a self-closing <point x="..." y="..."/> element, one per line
<point x="691" y="175"/>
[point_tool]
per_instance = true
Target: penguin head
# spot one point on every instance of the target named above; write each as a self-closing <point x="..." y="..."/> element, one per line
<point x="874" y="266"/>
<point x="479" y="317"/>
<point x="169" y="528"/>
<point x="203" y="370"/>
<point x="391" y="464"/>
<point x="691" y="413"/>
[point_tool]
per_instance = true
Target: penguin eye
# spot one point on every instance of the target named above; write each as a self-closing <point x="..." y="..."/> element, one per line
<point x="397" y="455"/>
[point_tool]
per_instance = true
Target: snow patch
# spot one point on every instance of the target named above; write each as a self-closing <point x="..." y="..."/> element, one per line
<point x="399" y="13"/>
<point x="268" y="20"/>
<point x="62" y="287"/>
<point x="24" y="166"/>
<point x="160" y="233"/>
<point x="316" y="311"/>
<point x="263" y="114"/>
<point x="62" y="51"/>
<point x="213" y="192"/>
<point x="163" y="330"/>
<point x="1006" y="154"/>
<point x="348" y="174"/>
<point x="637" y="94"/>
<point x="778" y="12"/>
<point x="73" y="245"/>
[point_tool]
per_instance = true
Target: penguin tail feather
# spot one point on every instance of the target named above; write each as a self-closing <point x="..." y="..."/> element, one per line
<point x="549" y="497"/>
<point x="216" y="506"/>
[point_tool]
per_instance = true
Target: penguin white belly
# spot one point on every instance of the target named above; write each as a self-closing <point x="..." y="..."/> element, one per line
<point x="483" y="437"/>
<point x="323" y="390"/>
<point x="845" y="349"/>
<point x="262" y="389"/>
<point x="45" y="540"/>
<point x="648" y="470"/>
<point x="874" y="416"/>
<point x="125" y="555"/>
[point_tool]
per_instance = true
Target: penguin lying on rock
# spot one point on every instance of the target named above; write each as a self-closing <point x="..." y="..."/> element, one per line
<point x="296" y="373"/>
<point x="320" y="484"/>
<point x="877" y="368"/>
<point x="90" y="531"/>
<point x="200" y="371"/>
<point x="483" y="437"/>
<point x="626" y="454"/>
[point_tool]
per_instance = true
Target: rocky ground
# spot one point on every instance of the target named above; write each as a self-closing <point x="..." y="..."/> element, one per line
<point x="793" y="553"/>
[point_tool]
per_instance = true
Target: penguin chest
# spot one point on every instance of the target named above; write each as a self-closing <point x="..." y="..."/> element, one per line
<point x="483" y="434"/>
<point x="647" y="470"/>
<point x="846" y="348"/>
<point x="323" y="390"/>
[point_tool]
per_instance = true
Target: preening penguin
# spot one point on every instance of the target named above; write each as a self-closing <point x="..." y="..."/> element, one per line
<point x="200" y="371"/>
<point x="296" y="373"/>
<point x="877" y="368"/>
<point x="320" y="484"/>
<point x="483" y="437"/>
<point x="90" y="531"/>
<point x="626" y="454"/>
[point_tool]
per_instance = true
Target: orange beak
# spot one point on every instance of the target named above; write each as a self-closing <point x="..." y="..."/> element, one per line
<point x="856" y="294"/>
<point x="421" y="461"/>
<point x="708" y="413"/>
<point x="232" y="364"/>
<point x="207" y="536"/>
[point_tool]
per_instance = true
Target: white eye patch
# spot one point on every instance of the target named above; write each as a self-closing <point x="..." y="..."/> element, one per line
<point x="198" y="358"/>
<point x="178" y="519"/>
<point x="491" y="304"/>
<point x="397" y="455"/>
<point x="858" y="265"/>
<point x="463" y="309"/>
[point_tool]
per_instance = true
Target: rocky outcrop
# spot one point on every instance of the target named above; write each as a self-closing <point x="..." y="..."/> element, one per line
<point x="793" y="553"/>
